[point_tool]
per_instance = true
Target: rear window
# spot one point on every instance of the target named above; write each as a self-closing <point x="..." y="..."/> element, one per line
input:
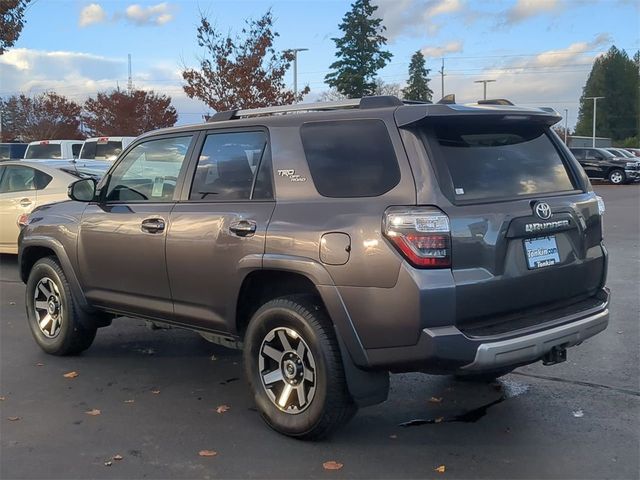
<point x="498" y="159"/>
<point x="101" y="150"/>
<point x="44" y="150"/>
<point x="353" y="158"/>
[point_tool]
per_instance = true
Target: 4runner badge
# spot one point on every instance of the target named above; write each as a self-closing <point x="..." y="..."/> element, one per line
<point x="292" y="175"/>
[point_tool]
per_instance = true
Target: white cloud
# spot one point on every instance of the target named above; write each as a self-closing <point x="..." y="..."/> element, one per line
<point x="451" y="47"/>
<point x="524" y="9"/>
<point x="414" y="17"/>
<point x="78" y="75"/>
<point x="92" y="14"/>
<point x="153" y="15"/>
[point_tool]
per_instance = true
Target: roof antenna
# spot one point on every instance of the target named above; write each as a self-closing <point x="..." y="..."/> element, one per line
<point x="448" y="99"/>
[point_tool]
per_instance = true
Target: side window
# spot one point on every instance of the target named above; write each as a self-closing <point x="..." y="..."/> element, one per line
<point x="75" y="149"/>
<point x="149" y="172"/>
<point x="21" y="179"/>
<point x="579" y="154"/>
<point x="352" y="158"/>
<point x="227" y="166"/>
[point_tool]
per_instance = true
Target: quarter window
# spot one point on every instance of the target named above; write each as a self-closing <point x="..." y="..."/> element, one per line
<point x="227" y="166"/>
<point x="352" y="158"/>
<point x="149" y="172"/>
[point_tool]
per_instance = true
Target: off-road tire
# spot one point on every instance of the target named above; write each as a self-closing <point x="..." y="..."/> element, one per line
<point x="73" y="336"/>
<point x="331" y="405"/>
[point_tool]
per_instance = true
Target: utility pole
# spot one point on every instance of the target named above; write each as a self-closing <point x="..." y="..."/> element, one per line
<point x="295" y="70"/>
<point x="566" y="124"/>
<point x="595" y="106"/>
<point x="485" y="85"/>
<point x="130" y="80"/>
<point x="442" y="78"/>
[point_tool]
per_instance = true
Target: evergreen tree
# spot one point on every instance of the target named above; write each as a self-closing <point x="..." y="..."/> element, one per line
<point x="418" y="84"/>
<point x="613" y="76"/>
<point x="359" y="52"/>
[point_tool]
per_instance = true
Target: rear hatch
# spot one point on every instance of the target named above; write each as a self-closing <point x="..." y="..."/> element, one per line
<point x="525" y="233"/>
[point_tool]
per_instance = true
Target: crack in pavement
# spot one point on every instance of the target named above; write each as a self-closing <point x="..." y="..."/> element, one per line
<point x="579" y="382"/>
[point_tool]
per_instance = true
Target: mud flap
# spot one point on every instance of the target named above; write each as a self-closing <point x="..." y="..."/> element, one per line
<point x="366" y="388"/>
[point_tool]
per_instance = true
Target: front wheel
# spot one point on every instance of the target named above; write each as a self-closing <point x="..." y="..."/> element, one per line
<point x="293" y="366"/>
<point x="53" y="316"/>
<point x="617" y="177"/>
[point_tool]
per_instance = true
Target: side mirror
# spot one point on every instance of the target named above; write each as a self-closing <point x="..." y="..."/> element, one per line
<point x="83" y="190"/>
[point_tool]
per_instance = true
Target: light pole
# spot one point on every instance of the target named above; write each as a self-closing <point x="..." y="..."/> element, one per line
<point x="566" y="124"/>
<point x="485" y="85"/>
<point x="595" y="106"/>
<point x="295" y="70"/>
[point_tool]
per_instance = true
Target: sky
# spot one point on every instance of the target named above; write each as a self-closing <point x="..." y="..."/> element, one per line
<point x="539" y="52"/>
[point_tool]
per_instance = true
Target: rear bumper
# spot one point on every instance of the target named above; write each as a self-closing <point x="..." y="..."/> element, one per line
<point x="449" y="350"/>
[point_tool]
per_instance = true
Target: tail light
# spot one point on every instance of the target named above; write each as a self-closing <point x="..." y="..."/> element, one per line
<point x="421" y="234"/>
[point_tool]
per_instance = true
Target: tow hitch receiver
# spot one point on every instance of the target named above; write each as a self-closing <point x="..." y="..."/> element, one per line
<point x="555" y="355"/>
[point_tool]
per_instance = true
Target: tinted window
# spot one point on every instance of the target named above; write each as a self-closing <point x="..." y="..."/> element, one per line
<point x="578" y="153"/>
<point x="20" y="179"/>
<point x="44" y="150"/>
<point x="496" y="159"/>
<point x="5" y="152"/>
<point x="227" y="166"/>
<point x="95" y="149"/>
<point x="350" y="158"/>
<point x="149" y="172"/>
<point x="75" y="149"/>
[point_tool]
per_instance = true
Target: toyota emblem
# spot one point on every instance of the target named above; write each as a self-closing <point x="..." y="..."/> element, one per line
<point x="542" y="210"/>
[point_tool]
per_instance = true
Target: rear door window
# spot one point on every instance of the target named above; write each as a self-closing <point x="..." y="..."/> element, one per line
<point x="498" y="159"/>
<point x="21" y="179"/>
<point x="353" y="158"/>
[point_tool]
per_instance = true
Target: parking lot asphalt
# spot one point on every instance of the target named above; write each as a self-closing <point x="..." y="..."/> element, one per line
<point x="158" y="393"/>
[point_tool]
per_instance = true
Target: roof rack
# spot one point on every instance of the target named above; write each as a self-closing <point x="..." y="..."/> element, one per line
<point x="495" y="101"/>
<point x="380" y="101"/>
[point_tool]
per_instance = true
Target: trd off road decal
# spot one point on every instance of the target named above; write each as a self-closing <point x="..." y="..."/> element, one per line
<point x="292" y="175"/>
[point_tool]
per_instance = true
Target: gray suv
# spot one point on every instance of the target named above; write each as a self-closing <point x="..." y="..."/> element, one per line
<point x="334" y="243"/>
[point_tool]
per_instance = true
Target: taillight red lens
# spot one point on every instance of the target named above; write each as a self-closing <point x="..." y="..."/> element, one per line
<point x="422" y="235"/>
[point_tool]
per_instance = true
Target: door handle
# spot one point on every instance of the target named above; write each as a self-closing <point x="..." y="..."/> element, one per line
<point x="153" y="225"/>
<point x="25" y="202"/>
<point x="243" y="228"/>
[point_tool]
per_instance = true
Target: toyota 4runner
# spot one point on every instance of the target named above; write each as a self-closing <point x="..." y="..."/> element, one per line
<point x="334" y="243"/>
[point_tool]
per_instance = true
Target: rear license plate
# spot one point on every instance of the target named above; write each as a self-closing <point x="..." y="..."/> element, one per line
<point x="541" y="252"/>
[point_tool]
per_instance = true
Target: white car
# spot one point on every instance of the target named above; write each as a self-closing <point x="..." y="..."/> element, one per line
<point x="25" y="185"/>
<point x="104" y="148"/>
<point x="55" y="149"/>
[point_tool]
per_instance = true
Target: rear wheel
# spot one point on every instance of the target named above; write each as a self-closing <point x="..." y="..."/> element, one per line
<point x="617" y="176"/>
<point x="293" y="365"/>
<point x="53" y="316"/>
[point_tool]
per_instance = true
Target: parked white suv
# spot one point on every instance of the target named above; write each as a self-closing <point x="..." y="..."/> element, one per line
<point x="55" y="149"/>
<point x="104" y="148"/>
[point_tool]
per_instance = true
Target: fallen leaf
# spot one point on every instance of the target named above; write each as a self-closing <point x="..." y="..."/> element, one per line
<point x="213" y="357"/>
<point x="440" y="469"/>
<point x="108" y="463"/>
<point x="39" y="364"/>
<point x="393" y="437"/>
<point x="439" y="419"/>
<point x="73" y="374"/>
<point x="578" y="413"/>
<point x="155" y="392"/>
<point x="93" y="412"/>
<point x="12" y="303"/>
<point x="117" y="457"/>
<point x="129" y="401"/>
<point x="435" y="400"/>
<point x="223" y="408"/>
<point x="1" y="399"/>
<point x="207" y="453"/>
<point x="332" y="465"/>
<point x="14" y="419"/>
<point x="620" y="332"/>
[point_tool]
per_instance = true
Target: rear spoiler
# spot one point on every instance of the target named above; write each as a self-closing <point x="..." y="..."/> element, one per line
<point x="410" y="114"/>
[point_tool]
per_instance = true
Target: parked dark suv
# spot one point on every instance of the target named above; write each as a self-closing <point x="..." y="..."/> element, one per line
<point x="334" y="243"/>
<point x="600" y="163"/>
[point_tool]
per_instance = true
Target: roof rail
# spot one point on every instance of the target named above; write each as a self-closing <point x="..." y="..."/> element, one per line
<point x="495" y="101"/>
<point x="380" y="101"/>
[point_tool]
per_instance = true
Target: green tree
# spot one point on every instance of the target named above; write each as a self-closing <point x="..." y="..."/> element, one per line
<point x="614" y="76"/>
<point x="418" y="85"/>
<point x="359" y="53"/>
